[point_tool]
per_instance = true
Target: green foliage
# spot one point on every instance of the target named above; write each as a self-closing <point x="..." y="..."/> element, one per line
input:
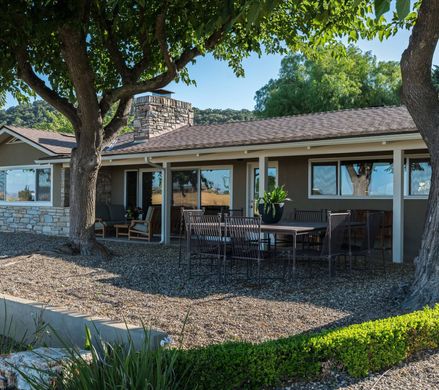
<point x="117" y="366"/>
<point x="435" y="77"/>
<point x="326" y="82"/>
<point x="211" y="116"/>
<point x="27" y="114"/>
<point x="276" y="196"/>
<point x="359" y="349"/>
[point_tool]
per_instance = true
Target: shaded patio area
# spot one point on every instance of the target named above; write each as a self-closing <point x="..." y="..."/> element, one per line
<point x="142" y="283"/>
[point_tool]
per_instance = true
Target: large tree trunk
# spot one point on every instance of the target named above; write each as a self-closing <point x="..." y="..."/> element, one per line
<point x="84" y="168"/>
<point x="422" y="101"/>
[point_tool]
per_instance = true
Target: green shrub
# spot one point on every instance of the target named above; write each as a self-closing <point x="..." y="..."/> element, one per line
<point x="359" y="349"/>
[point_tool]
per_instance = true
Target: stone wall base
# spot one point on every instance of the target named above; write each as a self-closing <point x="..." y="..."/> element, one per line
<point x="53" y="221"/>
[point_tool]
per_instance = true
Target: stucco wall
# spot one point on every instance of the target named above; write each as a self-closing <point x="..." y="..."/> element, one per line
<point x="19" y="154"/>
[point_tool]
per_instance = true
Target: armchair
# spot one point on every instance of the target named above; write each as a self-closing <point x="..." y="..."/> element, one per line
<point x="141" y="229"/>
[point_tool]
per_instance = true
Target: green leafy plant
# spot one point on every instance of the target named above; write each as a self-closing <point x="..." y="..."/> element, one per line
<point x="270" y="198"/>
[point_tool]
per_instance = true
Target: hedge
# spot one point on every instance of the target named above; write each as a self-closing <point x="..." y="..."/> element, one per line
<point x="358" y="349"/>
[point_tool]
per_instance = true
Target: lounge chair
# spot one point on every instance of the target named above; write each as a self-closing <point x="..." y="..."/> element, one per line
<point x="141" y="229"/>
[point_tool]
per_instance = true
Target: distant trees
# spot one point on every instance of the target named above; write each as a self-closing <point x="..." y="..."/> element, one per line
<point x="27" y="114"/>
<point x="328" y="83"/>
<point x="214" y="116"/>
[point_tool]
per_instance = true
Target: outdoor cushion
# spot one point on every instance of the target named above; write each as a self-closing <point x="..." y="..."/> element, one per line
<point x="141" y="227"/>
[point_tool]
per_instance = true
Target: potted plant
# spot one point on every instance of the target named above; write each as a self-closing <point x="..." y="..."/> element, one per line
<point x="271" y="205"/>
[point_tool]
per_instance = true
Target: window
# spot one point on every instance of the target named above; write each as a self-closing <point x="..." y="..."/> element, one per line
<point x="215" y="187"/>
<point x="131" y="189"/>
<point x="151" y="189"/>
<point x="25" y="185"/>
<point x="324" y="178"/>
<point x="366" y="178"/>
<point x="185" y="188"/>
<point x="419" y="176"/>
<point x="272" y="178"/>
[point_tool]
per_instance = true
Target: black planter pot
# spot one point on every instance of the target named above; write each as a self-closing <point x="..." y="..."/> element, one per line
<point x="269" y="215"/>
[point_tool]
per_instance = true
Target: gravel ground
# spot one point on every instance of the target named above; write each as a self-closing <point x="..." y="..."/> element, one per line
<point x="143" y="284"/>
<point x="419" y="372"/>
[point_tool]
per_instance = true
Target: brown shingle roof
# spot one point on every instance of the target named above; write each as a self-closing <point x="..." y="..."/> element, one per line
<point x="326" y="125"/>
<point x="54" y="142"/>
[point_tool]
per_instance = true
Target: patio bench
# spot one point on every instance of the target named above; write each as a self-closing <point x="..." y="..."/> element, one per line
<point x="107" y="216"/>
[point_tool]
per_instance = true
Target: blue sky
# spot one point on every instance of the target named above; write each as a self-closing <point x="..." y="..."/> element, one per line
<point x="217" y="86"/>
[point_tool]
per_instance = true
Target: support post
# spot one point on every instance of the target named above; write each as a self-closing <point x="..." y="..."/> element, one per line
<point x="263" y="175"/>
<point x="398" y="207"/>
<point x="166" y="203"/>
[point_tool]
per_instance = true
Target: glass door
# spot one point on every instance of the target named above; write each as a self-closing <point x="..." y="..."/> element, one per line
<point x="253" y="184"/>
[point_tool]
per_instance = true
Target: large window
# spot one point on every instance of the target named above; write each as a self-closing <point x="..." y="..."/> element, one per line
<point x="25" y="185"/>
<point x="185" y="188"/>
<point x="366" y="178"/>
<point x="215" y="187"/>
<point x="272" y="178"/>
<point x="419" y="176"/>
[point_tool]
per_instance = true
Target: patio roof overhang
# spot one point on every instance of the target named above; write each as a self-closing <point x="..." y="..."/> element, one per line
<point x="362" y="144"/>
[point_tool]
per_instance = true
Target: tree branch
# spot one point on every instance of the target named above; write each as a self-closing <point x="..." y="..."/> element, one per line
<point x="419" y="94"/>
<point x="160" y="32"/>
<point x="119" y="120"/>
<point x="26" y="73"/>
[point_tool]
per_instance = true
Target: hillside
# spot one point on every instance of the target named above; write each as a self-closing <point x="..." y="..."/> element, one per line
<point x="41" y="115"/>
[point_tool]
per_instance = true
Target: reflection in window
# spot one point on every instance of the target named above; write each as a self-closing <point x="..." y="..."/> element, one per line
<point x="366" y="178"/>
<point x="272" y="174"/>
<point x="185" y="188"/>
<point x="324" y="178"/>
<point x="25" y="185"/>
<point x="419" y="177"/>
<point x="215" y="187"/>
<point x="151" y="189"/>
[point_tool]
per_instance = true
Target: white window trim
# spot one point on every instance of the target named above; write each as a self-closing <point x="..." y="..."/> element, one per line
<point x="36" y="203"/>
<point x="339" y="160"/>
<point x="407" y="177"/>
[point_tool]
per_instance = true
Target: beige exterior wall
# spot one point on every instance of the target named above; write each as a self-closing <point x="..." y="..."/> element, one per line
<point x="19" y="154"/>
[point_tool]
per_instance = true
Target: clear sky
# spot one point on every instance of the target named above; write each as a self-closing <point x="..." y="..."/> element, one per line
<point x="217" y="86"/>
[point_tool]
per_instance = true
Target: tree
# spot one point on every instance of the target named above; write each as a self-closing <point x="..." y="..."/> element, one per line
<point x="326" y="82"/>
<point x="85" y="56"/>
<point x="212" y="116"/>
<point x="421" y="99"/>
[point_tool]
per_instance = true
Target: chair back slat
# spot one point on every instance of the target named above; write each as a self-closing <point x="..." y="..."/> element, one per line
<point x="335" y="232"/>
<point x="309" y="215"/>
<point x="206" y="233"/>
<point x="244" y="234"/>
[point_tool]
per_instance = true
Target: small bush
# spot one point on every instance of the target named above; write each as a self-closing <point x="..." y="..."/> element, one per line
<point x="359" y="349"/>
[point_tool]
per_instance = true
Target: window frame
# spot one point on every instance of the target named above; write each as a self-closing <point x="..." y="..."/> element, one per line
<point x="407" y="183"/>
<point x="31" y="203"/>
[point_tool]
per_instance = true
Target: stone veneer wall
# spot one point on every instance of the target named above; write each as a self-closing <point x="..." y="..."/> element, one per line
<point x="103" y="186"/>
<point x="52" y="221"/>
<point x="157" y="115"/>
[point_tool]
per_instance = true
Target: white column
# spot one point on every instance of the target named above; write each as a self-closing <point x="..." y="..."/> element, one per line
<point x="398" y="206"/>
<point x="166" y="202"/>
<point x="263" y="175"/>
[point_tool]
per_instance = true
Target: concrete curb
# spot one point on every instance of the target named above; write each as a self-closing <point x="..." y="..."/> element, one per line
<point x="22" y="319"/>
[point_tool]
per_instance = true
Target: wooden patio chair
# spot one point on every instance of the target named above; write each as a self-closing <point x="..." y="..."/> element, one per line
<point x="332" y="243"/>
<point x="141" y="229"/>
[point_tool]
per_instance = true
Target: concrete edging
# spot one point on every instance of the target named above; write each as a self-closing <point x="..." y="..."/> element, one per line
<point x="22" y="319"/>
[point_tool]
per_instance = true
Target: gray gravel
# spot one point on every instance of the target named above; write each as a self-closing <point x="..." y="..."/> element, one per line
<point x="142" y="283"/>
<point x="419" y="372"/>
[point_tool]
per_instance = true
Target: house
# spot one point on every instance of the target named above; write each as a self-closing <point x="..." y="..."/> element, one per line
<point x="372" y="158"/>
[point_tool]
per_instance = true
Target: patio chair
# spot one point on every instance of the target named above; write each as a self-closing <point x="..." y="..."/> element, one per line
<point x="184" y="224"/>
<point x="205" y="240"/>
<point x="102" y="216"/>
<point x="373" y="230"/>
<point x="332" y="243"/>
<point x="243" y="236"/>
<point x="141" y="229"/>
<point x="309" y="215"/>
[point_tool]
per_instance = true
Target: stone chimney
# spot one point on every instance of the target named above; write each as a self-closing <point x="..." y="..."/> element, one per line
<point x="156" y="115"/>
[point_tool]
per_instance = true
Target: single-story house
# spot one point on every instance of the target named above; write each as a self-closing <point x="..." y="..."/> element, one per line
<point x="371" y="158"/>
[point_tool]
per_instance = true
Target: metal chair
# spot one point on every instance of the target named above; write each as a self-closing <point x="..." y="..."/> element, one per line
<point x="243" y="235"/>
<point x="184" y="223"/>
<point x="331" y="247"/>
<point x="309" y="215"/>
<point x="205" y="234"/>
<point x="373" y="230"/>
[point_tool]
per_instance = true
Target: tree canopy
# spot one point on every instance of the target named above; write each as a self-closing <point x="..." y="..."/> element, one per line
<point x="326" y="82"/>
